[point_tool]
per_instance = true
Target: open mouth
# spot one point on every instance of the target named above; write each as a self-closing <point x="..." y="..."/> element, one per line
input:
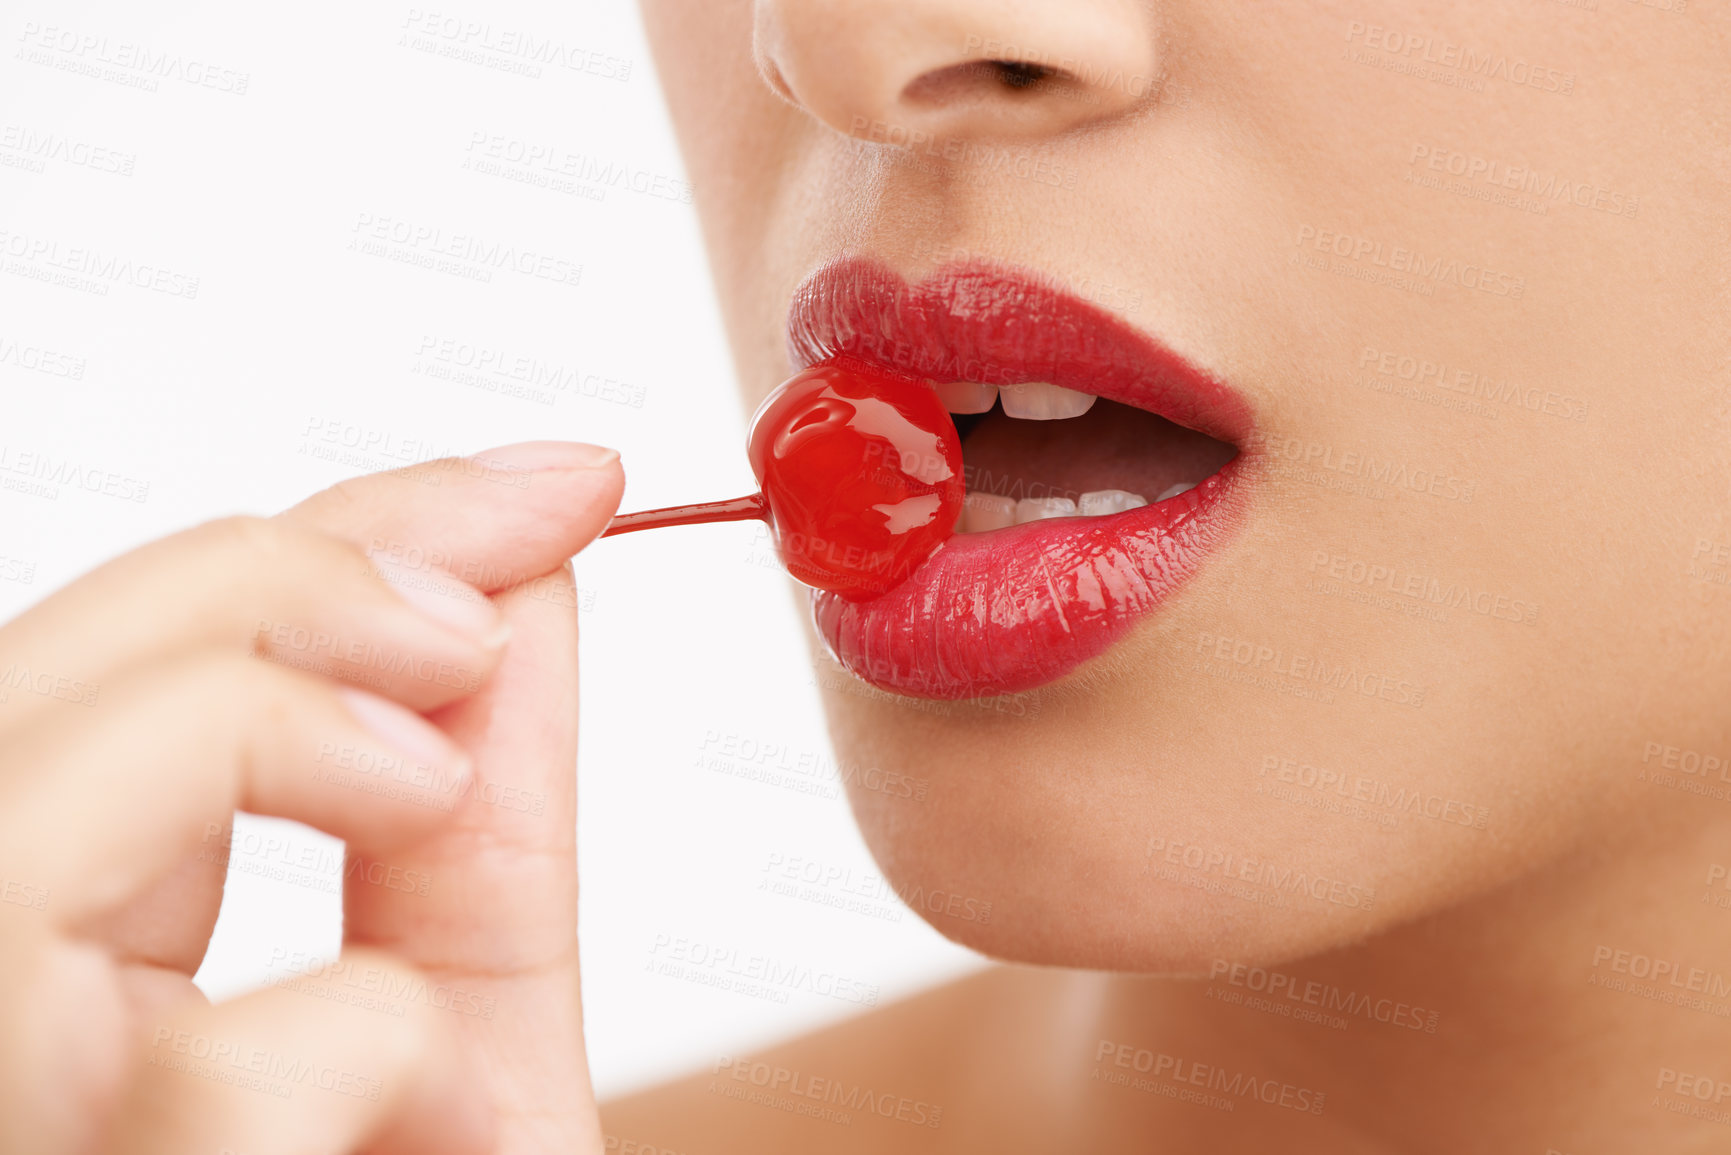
<point x="1035" y="451"/>
<point x="1100" y="469"/>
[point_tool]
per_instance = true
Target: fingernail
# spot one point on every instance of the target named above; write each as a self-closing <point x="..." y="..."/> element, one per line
<point x="549" y="455"/>
<point x="406" y="732"/>
<point x="450" y="602"/>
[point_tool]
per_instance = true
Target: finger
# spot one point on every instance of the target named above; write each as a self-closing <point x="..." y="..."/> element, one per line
<point x="502" y="518"/>
<point x="167" y="922"/>
<point x="147" y="988"/>
<point x="62" y="1052"/>
<point x="248" y="585"/>
<point x="502" y="924"/>
<point x="92" y="811"/>
<point x="508" y="859"/>
<point x="283" y="1072"/>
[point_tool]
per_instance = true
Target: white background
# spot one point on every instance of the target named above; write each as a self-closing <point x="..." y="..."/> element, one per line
<point x="296" y="344"/>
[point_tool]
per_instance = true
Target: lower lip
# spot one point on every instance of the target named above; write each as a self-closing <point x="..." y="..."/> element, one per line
<point x="1018" y="608"/>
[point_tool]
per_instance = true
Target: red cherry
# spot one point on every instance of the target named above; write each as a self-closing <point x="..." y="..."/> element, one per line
<point x="861" y="478"/>
<point x="861" y="471"/>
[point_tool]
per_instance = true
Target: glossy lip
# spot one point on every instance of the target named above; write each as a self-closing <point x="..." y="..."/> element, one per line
<point x="1016" y="608"/>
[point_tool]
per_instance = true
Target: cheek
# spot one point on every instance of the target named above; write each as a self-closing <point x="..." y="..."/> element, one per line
<point x="736" y="139"/>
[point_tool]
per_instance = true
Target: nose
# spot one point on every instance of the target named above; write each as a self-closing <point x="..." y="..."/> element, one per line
<point x="901" y="70"/>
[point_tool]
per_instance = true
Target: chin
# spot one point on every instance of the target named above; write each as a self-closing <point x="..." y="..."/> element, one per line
<point x="1053" y="870"/>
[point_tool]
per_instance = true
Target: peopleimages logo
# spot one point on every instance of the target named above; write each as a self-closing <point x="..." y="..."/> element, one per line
<point x="40" y="147"/>
<point x="142" y="67"/>
<point x="1276" y="985"/>
<point x="796" y="1085"/>
<point x="1421" y="587"/>
<point x="833" y="884"/>
<point x="1421" y="371"/>
<point x="982" y="160"/>
<point x="464" y="253"/>
<point x="1283" y="879"/>
<point x="1670" y="972"/>
<point x="1284" y="668"/>
<point x="39" y="360"/>
<point x="1360" y="470"/>
<point x="1424" y="48"/>
<point x="478" y="40"/>
<point x="508" y="153"/>
<point x="1400" y="259"/>
<point x="1546" y="188"/>
<point x="1194" y="1073"/>
<point x="728" y="968"/>
<point x="1400" y="799"/>
<point x="93" y="269"/>
<point x="53" y="472"/>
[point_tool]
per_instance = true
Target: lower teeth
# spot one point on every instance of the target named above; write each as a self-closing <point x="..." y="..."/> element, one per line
<point x="1039" y="508"/>
<point x="983" y="512"/>
<point x="1106" y="501"/>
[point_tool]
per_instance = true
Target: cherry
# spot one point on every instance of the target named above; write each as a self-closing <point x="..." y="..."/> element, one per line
<point x="862" y="472"/>
<point x="861" y="478"/>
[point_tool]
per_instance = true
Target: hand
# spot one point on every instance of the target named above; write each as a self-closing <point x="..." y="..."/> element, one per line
<point x="429" y="720"/>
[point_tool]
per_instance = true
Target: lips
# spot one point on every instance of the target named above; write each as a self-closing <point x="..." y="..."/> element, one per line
<point x="1020" y="606"/>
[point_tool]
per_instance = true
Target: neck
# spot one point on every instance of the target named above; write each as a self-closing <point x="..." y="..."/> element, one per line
<point x="1586" y="1007"/>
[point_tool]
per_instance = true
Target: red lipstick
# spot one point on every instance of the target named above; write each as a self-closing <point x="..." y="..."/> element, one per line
<point x="1021" y="606"/>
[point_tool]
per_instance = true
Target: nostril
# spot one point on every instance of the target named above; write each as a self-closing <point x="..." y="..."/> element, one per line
<point x="952" y="69"/>
<point x="1020" y="74"/>
<point x="977" y="82"/>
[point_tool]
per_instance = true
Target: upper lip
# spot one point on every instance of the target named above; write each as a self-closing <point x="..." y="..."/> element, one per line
<point x="981" y="321"/>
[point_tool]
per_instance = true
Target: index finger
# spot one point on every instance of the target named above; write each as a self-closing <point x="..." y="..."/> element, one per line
<point x="494" y="520"/>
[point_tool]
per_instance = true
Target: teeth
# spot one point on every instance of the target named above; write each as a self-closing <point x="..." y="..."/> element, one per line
<point x="1039" y="508"/>
<point x="1175" y="490"/>
<point x="967" y="396"/>
<point x="982" y="512"/>
<point x="1103" y="501"/>
<point x="1038" y="401"/>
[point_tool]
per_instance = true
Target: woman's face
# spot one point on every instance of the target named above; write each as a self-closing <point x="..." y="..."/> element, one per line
<point x="1451" y="281"/>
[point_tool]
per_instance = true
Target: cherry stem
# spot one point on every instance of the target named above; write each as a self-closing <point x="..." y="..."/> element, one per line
<point x="738" y="509"/>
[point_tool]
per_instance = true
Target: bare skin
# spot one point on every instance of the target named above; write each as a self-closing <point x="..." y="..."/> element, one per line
<point x="1012" y="1054"/>
<point x="1195" y="205"/>
<point x="262" y="664"/>
<point x="1538" y="970"/>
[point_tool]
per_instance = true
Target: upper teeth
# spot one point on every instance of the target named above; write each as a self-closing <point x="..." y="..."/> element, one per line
<point x="967" y="396"/>
<point x="1029" y="400"/>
